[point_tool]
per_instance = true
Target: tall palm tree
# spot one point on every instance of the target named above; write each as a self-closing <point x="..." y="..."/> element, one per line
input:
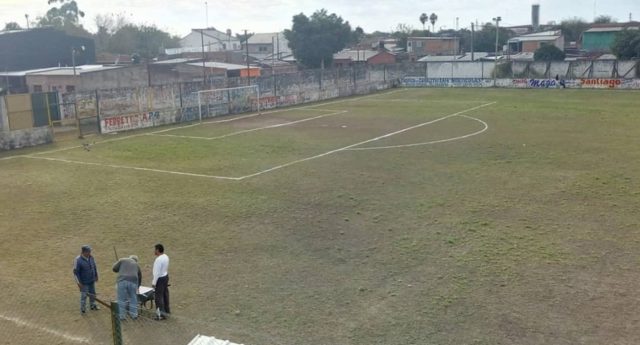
<point x="423" y="19"/>
<point x="433" y="18"/>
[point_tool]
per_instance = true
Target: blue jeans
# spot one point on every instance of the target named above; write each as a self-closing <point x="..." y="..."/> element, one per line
<point x="87" y="290"/>
<point x="127" y="294"/>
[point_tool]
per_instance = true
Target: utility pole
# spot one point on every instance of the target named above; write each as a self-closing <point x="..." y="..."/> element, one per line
<point x="473" y="33"/>
<point x="457" y="23"/>
<point x="495" y="65"/>
<point x="246" y="44"/>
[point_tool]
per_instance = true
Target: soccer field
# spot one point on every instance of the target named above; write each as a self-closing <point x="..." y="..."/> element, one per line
<point x="413" y="216"/>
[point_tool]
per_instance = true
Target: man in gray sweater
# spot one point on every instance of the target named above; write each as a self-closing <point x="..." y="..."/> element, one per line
<point x="129" y="280"/>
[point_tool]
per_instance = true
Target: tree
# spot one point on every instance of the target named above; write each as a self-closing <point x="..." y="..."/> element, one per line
<point x="423" y="19"/>
<point x="315" y="39"/>
<point x="148" y="41"/>
<point x="549" y="52"/>
<point x="626" y="45"/>
<point x="12" y="26"/>
<point x="573" y="28"/>
<point x="603" y="19"/>
<point x="356" y="35"/>
<point x="433" y="18"/>
<point x="402" y="33"/>
<point x="485" y="39"/>
<point x="67" y="14"/>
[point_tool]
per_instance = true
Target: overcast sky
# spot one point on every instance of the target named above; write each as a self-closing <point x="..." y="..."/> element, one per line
<point x="179" y="16"/>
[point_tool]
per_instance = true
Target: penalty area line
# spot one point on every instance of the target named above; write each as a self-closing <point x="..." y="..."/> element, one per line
<point x="365" y="142"/>
<point x="134" y="168"/>
<point x="59" y="334"/>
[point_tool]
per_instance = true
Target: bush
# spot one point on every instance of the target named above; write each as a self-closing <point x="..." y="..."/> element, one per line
<point x="549" y="53"/>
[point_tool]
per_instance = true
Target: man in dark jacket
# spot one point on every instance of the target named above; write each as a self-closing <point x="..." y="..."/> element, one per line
<point x="85" y="273"/>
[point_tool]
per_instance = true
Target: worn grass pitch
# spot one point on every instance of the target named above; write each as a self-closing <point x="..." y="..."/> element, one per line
<point x="526" y="233"/>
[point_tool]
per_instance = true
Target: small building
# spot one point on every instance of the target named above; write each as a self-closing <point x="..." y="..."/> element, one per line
<point x="530" y="43"/>
<point x="86" y="77"/>
<point x="422" y="46"/>
<point x="209" y="40"/>
<point x="600" y="37"/>
<point x="349" y="57"/>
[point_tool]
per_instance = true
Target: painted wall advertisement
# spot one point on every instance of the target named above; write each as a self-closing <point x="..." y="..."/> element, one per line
<point x="525" y="83"/>
<point x="446" y="82"/>
<point x="129" y="122"/>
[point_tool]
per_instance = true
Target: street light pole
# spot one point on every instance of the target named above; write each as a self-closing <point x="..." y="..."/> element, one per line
<point x="26" y="16"/>
<point x="206" y="8"/>
<point x="495" y="60"/>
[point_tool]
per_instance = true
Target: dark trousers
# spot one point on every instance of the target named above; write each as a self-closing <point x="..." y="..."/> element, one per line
<point x="162" y="295"/>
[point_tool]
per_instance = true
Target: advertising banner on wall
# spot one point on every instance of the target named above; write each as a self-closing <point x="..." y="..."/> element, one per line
<point x="446" y="82"/>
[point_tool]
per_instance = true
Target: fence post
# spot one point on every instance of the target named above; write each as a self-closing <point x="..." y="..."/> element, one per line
<point x="115" y="324"/>
<point x="98" y="111"/>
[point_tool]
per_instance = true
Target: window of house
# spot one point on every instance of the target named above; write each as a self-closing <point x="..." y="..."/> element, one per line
<point x="37" y="88"/>
<point x="263" y="49"/>
<point x="224" y="46"/>
<point x="71" y="88"/>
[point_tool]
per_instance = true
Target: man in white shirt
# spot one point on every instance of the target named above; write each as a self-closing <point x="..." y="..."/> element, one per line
<point x="161" y="282"/>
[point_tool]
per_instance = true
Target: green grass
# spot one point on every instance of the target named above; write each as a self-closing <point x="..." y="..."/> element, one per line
<point x="525" y="234"/>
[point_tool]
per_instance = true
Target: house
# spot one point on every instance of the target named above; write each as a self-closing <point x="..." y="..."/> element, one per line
<point x="263" y="46"/>
<point x="531" y="42"/>
<point x="22" y="50"/>
<point x="422" y="46"/>
<point x="600" y="37"/>
<point x="209" y="40"/>
<point x="349" y="57"/>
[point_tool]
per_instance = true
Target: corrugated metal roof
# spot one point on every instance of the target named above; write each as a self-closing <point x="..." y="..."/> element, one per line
<point x="221" y="65"/>
<point x="174" y="61"/>
<point x="448" y="58"/>
<point x="204" y="340"/>
<point x="65" y="71"/>
<point x="432" y="38"/>
<point x="355" y="55"/>
<point x="612" y="29"/>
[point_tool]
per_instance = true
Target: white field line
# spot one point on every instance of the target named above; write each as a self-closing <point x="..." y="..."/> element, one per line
<point x="428" y="100"/>
<point x="54" y="332"/>
<point x="10" y="157"/>
<point x="133" y="168"/>
<point x="79" y="146"/>
<point x="253" y="129"/>
<point x="486" y="126"/>
<point x="365" y="142"/>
